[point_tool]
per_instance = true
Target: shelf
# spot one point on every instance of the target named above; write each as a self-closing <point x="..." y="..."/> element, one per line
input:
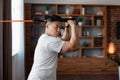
<point x="85" y="37"/>
<point x="98" y="37"/>
<point x="43" y="14"/>
<point x="42" y="24"/>
<point x="91" y="26"/>
<point x="86" y="15"/>
<point x="91" y="37"/>
<point x="68" y="14"/>
<point x="37" y="15"/>
<point x="91" y="15"/>
<point x="91" y="47"/>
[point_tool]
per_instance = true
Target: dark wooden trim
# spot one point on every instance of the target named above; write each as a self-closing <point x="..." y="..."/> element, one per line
<point x="1" y="40"/>
<point x="7" y="42"/>
<point x="7" y="52"/>
<point x="1" y="52"/>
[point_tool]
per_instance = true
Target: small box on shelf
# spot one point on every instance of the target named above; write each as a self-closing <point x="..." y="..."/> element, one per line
<point x="98" y="20"/>
<point x="37" y="12"/>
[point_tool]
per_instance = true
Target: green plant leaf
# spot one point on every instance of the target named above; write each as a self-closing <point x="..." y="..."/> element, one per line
<point x="80" y="19"/>
<point x="48" y="7"/>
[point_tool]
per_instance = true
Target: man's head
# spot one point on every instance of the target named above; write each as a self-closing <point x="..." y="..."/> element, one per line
<point x="53" y="25"/>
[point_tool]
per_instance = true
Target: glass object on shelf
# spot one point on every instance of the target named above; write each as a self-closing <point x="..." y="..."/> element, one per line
<point x="86" y="33"/>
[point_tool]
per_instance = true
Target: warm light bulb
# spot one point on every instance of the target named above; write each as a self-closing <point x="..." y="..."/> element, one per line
<point x="111" y="48"/>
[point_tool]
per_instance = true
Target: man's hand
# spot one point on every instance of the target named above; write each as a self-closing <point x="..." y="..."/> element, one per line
<point x="73" y="43"/>
<point x="66" y="35"/>
<point x="71" y="23"/>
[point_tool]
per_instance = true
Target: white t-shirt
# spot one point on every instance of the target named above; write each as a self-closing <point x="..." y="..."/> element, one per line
<point x="45" y="58"/>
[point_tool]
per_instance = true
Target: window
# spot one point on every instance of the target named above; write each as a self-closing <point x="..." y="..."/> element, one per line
<point x="17" y="27"/>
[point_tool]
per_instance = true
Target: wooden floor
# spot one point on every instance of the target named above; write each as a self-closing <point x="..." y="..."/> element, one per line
<point x="88" y="77"/>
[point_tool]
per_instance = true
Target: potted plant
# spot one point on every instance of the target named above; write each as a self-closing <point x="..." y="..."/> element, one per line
<point x="47" y="9"/>
<point x="80" y="20"/>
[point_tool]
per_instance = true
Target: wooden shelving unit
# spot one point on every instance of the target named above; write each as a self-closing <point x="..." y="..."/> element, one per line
<point x="92" y="52"/>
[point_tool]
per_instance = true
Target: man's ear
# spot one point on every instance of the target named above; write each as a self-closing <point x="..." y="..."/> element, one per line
<point x="46" y="25"/>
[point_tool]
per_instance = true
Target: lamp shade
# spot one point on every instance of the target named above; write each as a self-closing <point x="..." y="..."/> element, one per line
<point x="111" y="48"/>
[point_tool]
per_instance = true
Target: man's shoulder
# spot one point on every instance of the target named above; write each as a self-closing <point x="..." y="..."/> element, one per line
<point x="54" y="39"/>
<point x="50" y="37"/>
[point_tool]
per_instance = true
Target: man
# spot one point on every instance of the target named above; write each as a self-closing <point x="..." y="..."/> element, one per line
<point x="50" y="44"/>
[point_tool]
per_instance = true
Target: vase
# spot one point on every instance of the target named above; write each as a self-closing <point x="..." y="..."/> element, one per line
<point x="83" y="11"/>
<point x="67" y="11"/>
<point x="80" y="23"/>
<point x="46" y="12"/>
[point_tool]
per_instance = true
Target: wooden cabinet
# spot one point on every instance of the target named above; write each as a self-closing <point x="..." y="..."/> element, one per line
<point x="92" y="35"/>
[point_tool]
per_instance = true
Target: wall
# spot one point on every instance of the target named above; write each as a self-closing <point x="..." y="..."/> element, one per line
<point x="108" y="2"/>
<point x="114" y="13"/>
<point x="18" y="48"/>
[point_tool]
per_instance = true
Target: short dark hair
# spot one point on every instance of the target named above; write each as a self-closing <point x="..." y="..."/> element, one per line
<point x="54" y="18"/>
